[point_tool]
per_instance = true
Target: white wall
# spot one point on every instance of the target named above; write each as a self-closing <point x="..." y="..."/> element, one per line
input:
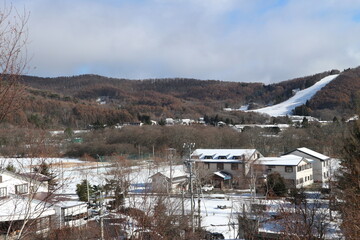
<point x="318" y="166"/>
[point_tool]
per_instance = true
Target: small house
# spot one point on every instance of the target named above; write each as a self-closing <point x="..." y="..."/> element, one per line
<point x="170" y="181"/>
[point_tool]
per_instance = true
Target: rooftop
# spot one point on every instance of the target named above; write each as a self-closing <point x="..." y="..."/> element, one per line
<point x="285" y="160"/>
<point x="226" y="153"/>
<point x="313" y="153"/>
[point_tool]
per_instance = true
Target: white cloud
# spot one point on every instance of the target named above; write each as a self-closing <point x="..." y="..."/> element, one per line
<point x="208" y="39"/>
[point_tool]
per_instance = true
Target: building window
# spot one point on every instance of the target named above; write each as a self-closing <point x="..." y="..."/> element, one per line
<point x="208" y="157"/>
<point x="288" y="169"/>
<point x="3" y="192"/>
<point x="207" y="165"/>
<point x="220" y="166"/>
<point x="21" y="189"/>
<point x="222" y="157"/>
<point x="0" y="179"/>
<point x="237" y="157"/>
<point x="234" y="166"/>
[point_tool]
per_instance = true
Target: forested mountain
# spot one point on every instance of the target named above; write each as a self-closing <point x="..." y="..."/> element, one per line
<point x="82" y="100"/>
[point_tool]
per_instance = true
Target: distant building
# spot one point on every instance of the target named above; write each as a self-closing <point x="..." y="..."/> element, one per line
<point x="169" y="121"/>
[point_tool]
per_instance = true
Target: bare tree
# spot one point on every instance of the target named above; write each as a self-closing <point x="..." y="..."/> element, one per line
<point x="13" y="57"/>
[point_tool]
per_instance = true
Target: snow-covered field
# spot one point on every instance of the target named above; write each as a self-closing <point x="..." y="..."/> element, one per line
<point x="300" y="98"/>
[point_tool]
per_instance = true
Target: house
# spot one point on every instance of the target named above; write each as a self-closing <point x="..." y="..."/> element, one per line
<point x="186" y="121"/>
<point x="169" y="121"/>
<point x="25" y="197"/>
<point x="321" y="165"/>
<point x="296" y="170"/>
<point x="269" y="127"/>
<point x="69" y="212"/>
<point x="169" y="181"/>
<point x="18" y="204"/>
<point x="224" y="167"/>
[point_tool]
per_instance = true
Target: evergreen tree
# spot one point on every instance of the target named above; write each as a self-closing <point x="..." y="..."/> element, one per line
<point x="305" y="122"/>
<point x="82" y="190"/>
<point x="276" y="184"/>
<point x="44" y="169"/>
<point x="10" y="167"/>
<point x="162" y="122"/>
<point x="349" y="184"/>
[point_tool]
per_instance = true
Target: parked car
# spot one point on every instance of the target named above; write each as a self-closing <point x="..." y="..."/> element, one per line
<point x="207" y="188"/>
<point x="213" y="235"/>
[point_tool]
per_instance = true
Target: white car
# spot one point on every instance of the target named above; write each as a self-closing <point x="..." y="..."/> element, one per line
<point x="207" y="188"/>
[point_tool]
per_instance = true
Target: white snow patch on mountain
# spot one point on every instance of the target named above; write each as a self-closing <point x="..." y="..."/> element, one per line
<point x="286" y="107"/>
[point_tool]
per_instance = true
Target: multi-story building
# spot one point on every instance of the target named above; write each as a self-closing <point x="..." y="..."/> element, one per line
<point x="297" y="171"/>
<point x="321" y="166"/>
<point x="224" y="167"/>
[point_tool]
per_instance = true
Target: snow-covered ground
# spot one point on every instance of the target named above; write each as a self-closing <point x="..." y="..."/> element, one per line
<point x="221" y="219"/>
<point x="286" y="107"/>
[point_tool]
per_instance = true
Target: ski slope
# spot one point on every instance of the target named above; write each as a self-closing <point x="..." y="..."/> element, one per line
<point x="286" y="107"/>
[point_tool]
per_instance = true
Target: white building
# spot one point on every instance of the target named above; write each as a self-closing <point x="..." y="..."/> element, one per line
<point x="225" y="167"/>
<point x="321" y="164"/>
<point x="297" y="171"/>
<point x="169" y="121"/>
<point x="70" y="213"/>
<point x="25" y="198"/>
<point x="18" y="204"/>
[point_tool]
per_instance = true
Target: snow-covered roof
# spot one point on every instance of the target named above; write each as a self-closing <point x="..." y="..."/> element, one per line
<point x="313" y="153"/>
<point x="228" y="153"/>
<point x="175" y="173"/>
<point x="285" y="160"/>
<point x="223" y="175"/>
<point x="28" y="177"/>
<point x="281" y="126"/>
<point x="68" y="204"/>
<point x="16" y="207"/>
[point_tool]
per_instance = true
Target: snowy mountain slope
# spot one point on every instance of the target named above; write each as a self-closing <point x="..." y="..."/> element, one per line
<point x="286" y="107"/>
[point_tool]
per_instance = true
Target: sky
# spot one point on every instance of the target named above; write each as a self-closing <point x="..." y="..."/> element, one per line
<point x="230" y="40"/>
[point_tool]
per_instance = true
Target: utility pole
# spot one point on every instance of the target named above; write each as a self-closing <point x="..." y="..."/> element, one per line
<point x="87" y="189"/>
<point x="101" y="218"/>
<point x="153" y="151"/>
<point x="189" y="146"/>
<point x="170" y="154"/>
